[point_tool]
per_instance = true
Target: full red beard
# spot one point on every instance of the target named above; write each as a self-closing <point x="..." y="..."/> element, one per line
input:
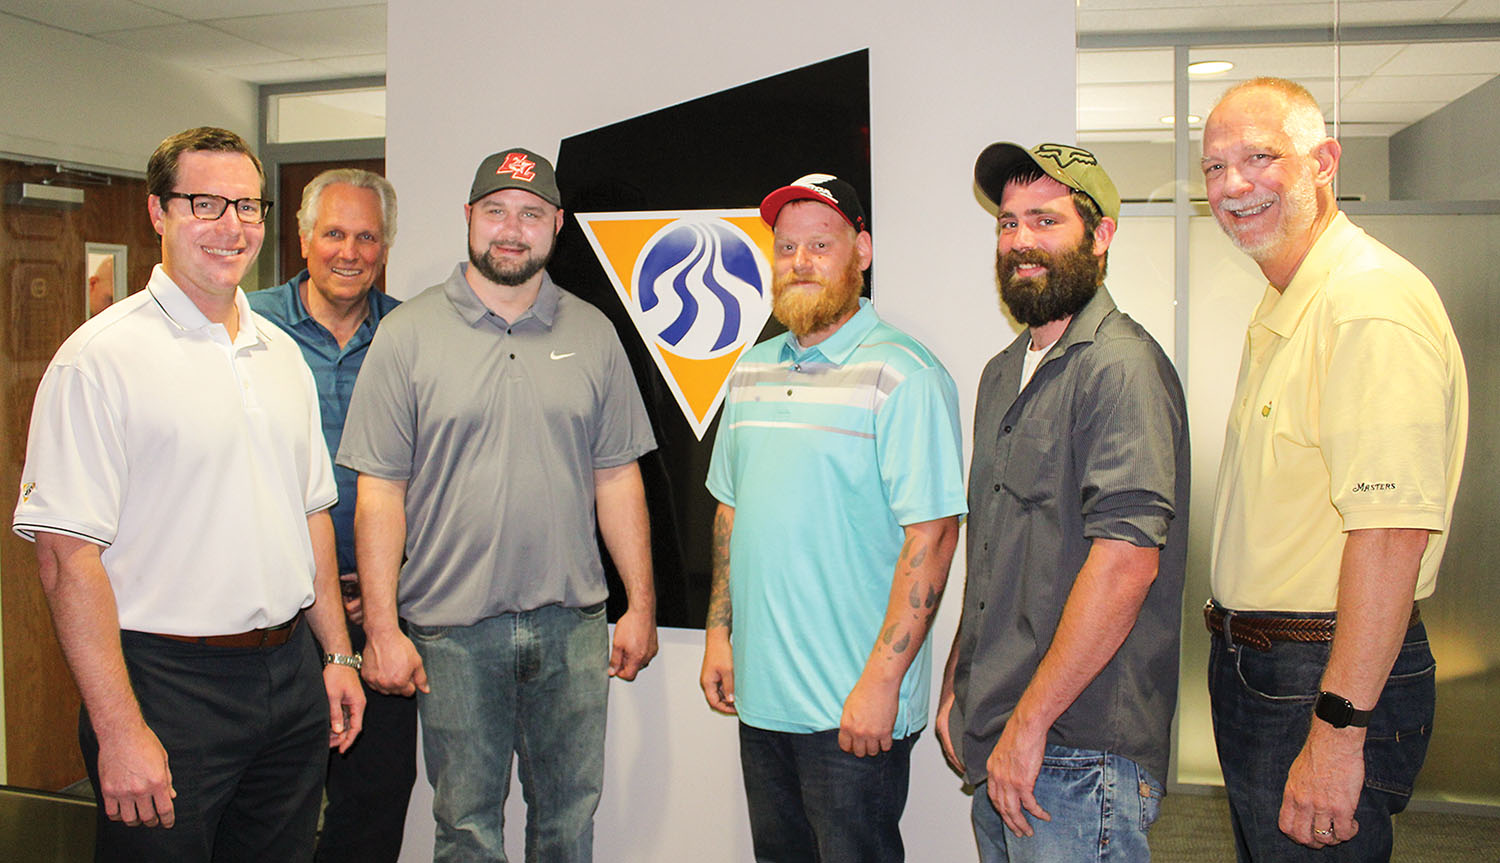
<point x="804" y="312"/>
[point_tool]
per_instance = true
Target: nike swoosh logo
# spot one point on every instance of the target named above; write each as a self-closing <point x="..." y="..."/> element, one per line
<point x="557" y="356"/>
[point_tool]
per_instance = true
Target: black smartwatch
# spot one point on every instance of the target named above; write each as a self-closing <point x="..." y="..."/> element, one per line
<point x="1338" y="711"/>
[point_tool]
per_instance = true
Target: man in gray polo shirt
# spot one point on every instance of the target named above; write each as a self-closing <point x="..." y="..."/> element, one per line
<point x="494" y="417"/>
<point x="1058" y="695"/>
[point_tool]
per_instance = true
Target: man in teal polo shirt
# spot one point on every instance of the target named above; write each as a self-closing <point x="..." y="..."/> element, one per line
<point x="347" y="223"/>
<point x="838" y="472"/>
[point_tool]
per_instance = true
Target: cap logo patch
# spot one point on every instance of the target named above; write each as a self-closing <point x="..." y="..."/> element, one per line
<point x="1063" y="155"/>
<point x="811" y="181"/>
<point x="518" y="166"/>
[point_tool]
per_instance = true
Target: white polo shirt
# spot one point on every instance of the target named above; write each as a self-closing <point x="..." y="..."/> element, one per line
<point x="191" y="459"/>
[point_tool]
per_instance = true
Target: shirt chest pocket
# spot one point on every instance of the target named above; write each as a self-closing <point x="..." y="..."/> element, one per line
<point x="1031" y="463"/>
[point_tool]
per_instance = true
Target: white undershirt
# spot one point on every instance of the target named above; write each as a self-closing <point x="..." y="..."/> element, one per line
<point x="1032" y="360"/>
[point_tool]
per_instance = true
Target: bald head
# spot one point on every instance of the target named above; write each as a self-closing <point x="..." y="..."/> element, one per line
<point x="1301" y="118"/>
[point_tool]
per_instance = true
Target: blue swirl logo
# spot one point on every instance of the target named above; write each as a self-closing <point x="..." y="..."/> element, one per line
<point x="696" y="281"/>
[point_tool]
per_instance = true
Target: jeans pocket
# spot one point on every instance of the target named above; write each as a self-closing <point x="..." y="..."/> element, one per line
<point x="1401" y="725"/>
<point x="1287" y="674"/>
<point x="589" y="612"/>
<point x="425" y="633"/>
<point x="1151" y="793"/>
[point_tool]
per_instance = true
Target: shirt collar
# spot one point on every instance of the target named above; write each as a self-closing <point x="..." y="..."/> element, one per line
<point x="1280" y="311"/>
<point x="1085" y="325"/>
<point x="473" y="310"/>
<point x="296" y="312"/>
<point x="838" y="347"/>
<point x="188" y="318"/>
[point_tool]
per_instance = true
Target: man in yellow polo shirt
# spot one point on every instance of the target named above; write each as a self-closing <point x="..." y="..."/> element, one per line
<point x="1341" y="464"/>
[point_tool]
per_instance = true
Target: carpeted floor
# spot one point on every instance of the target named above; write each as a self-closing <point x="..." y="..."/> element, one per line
<point x="1194" y="828"/>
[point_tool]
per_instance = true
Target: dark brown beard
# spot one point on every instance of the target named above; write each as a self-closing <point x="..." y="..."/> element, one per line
<point x="804" y="313"/>
<point x="1071" y="280"/>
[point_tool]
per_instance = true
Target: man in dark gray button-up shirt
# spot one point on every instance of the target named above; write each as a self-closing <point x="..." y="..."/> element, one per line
<point x="1059" y="692"/>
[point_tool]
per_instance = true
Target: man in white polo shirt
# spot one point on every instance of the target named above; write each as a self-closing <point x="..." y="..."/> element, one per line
<point x="177" y="487"/>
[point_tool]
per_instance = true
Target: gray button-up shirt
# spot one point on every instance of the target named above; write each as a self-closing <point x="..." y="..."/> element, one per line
<point x="1095" y="446"/>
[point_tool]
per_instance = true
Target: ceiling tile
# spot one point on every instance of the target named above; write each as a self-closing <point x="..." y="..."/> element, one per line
<point x="87" y="16"/>
<point x="358" y="64"/>
<point x="278" y="73"/>
<point x="1413" y="88"/>
<point x="1432" y="57"/>
<point x="198" y="10"/>
<point x="1123" y="67"/>
<point x="315" y="34"/>
<point x="193" y="45"/>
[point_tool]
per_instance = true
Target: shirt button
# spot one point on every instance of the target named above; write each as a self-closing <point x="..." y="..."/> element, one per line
<point x="1006" y="429"/>
<point x="788" y="392"/>
<point x="512" y="356"/>
<point x="981" y="605"/>
<point x="997" y="486"/>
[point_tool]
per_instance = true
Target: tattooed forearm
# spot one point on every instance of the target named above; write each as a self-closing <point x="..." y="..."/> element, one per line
<point x="720" y="611"/>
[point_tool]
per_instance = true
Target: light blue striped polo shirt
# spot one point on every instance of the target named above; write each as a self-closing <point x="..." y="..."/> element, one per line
<point x="825" y="453"/>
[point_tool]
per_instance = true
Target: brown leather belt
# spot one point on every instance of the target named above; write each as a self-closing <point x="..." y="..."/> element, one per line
<point x="271" y="636"/>
<point x="1260" y="630"/>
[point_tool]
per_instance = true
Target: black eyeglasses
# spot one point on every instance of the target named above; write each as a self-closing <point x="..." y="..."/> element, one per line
<point x="251" y="211"/>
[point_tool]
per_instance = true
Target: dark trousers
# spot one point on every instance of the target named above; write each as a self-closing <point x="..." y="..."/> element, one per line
<point x="1262" y="704"/>
<point x="245" y="731"/>
<point x="812" y="802"/>
<point x="369" y="786"/>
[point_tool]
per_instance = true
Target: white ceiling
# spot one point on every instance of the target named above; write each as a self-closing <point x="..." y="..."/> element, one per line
<point x="260" y="41"/>
<point x="1122" y="94"/>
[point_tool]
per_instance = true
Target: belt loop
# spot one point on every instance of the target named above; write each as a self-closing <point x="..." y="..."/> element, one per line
<point x="1229" y="629"/>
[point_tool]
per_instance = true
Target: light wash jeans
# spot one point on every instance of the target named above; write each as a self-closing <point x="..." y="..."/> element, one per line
<point x="532" y="683"/>
<point x="1101" y="807"/>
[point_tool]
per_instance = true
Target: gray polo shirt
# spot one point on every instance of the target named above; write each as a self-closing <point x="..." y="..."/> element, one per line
<point x="1095" y="446"/>
<point x="497" y="427"/>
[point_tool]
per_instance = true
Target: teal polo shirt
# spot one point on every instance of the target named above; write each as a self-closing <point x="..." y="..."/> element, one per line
<point x="825" y="453"/>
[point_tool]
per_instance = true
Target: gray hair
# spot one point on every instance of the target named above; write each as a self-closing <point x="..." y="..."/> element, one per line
<point x="1303" y="122"/>
<point x="312" y="195"/>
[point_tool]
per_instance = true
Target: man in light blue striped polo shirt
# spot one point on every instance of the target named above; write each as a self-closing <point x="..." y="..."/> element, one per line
<point x="839" y="476"/>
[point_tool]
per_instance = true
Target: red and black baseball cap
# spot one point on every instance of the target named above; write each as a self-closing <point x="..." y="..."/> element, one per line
<point x="823" y="188"/>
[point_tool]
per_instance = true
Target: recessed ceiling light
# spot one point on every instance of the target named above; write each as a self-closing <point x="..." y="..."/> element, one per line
<point x="1209" y="67"/>
<point x="1193" y="119"/>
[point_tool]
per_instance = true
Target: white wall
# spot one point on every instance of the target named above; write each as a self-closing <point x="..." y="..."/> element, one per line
<point x="946" y="79"/>
<point x="74" y="99"/>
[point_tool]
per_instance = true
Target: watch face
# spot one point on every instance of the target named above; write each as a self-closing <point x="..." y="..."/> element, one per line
<point x="1334" y="710"/>
<point x="1339" y="711"/>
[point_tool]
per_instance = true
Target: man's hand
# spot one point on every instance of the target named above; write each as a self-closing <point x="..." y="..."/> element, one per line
<point x="346" y="705"/>
<point x="1322" y="787"/>
<point x="392" y="664"/>
<point x="944" y="713"/>
<point x="134" y="779"/>
<point x="869" y="716"/>
<point x="635" y="644"/>
<point x="717" y="677"/>
<point x="349" y="590"/>
<point x="1013" y="766"/>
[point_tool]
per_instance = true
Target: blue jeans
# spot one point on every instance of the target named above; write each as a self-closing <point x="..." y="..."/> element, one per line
<point x="532" y="683"/>
<point x="1262" y="704"/>
<point x="812" y="802"/>
<point x="1101" y="807"/>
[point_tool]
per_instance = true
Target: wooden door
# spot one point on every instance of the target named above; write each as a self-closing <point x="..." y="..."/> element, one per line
<point x="42" y="300"/>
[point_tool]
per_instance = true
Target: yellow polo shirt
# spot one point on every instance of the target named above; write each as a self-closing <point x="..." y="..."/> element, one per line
<point x="1350" y="413"/>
